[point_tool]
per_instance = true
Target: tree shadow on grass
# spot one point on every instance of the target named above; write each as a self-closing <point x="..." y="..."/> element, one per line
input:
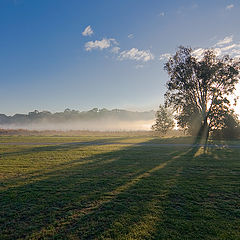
<point x="204" y="202"/>
<point x="61" y="150"/>
<point x="129" y="199"/>
<point x="70" y="200"/>
<point x="60" y="146"/>
<point x="174" y="203"/>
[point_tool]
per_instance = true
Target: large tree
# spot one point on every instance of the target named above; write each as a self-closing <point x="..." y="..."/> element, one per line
<point x="199" y="89"/>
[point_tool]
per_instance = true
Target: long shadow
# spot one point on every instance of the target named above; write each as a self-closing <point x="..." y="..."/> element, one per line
<point x="150" y="195"/>
<point x="57" y="147"/>
<point x="61" y="146"/>
<point x="112" y="205"/>
<point x="203" y="203"/>
<point x="58" y="166"/>
<point x="68" y="147"/>
<point x="184" y="208"/>
<point x="75" y="191"/>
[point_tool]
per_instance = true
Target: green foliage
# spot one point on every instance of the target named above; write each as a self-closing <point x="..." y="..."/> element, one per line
<point x="231" y="128"/>
<point x="164" y="120"/>
<point x="199" y="88"/>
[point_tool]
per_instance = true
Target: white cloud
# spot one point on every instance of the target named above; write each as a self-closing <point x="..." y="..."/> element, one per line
<point x="164" y="56"/>
<point x="218" y="51"/>
<point x="183" y="10"/>
<point x="115" y="50"/>
<point x="131" y="36"/>
<point x="232" y="50"/>
<point x="225" y="41"/>
<point x="229" y="7"/>
<point x="198" y="52"/>
<point x="221" y="48"/>
<point x="137" y="55"/>
<point x="236" y="51"/>
<point x="228" y="47"/>
<point x="161" y="14"/>
<point x="104" y="43"/>
<point x="87" y="31"/>
<point x="139" y="66"/>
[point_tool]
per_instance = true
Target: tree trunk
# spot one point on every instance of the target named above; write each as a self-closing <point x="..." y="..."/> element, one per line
<point x="206" y="138"/>
<point x="203" y="134"/>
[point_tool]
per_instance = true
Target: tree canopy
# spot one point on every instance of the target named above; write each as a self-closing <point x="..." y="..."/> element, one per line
<point x="199" y="88"/>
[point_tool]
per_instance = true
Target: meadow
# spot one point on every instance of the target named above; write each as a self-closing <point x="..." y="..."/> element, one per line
<point x="118" y="187"/>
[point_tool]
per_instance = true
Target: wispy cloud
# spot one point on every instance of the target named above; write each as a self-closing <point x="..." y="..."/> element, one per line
<point x="164" y="56"/>
<point x="229" y="7"/>
<point x="87" y="31"/>
<point x="185" y="9"/>
<point x="131" y="36"/>
<point x="231" y="50"/>
<point x="194" y="6"/>
<point x="132" y="54"/>
<point x="198" y="52"/>
<point x="139" y="66"/>
<point x="161" y="14"/>
<point x="137" y="55"/>
<point x="100" y="44"/>
<point x="115" y="50"/>
<point x="229" y="47"/>
<point x="222" y="47"/>
<point x="225" y="41"/>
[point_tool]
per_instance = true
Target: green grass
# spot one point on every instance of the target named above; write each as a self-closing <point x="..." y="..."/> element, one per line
<point x="74" y="191"/>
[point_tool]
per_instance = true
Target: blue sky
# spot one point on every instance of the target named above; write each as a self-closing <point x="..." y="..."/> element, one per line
<point x="50" y="61"/>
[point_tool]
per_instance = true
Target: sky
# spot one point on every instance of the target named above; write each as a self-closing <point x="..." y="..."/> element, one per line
<point x="58" y="54"/>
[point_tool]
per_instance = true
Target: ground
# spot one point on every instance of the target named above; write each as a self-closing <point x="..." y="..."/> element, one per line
<point x="118" y="187"/>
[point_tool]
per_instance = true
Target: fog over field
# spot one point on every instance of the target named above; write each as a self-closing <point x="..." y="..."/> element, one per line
<point x="102" y="125"/>
<point x="93" y="120"/>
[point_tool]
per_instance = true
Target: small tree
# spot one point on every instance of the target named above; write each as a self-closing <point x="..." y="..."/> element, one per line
<point x="164" y="120"/>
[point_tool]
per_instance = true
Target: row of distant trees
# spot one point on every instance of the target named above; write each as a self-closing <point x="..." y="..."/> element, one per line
<point x="74" y="115"/>
<point x="198" y="95"/>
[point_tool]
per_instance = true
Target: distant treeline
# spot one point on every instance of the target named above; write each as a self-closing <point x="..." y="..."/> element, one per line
<point x="74" y="116"/>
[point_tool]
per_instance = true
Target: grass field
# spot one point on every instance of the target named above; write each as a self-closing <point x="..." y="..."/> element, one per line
<point x="58" y="188"/>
